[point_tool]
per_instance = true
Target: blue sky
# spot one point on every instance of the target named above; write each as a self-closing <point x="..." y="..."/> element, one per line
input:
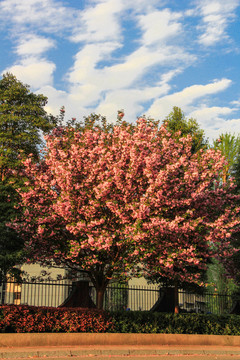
<point x="143" y="56"/>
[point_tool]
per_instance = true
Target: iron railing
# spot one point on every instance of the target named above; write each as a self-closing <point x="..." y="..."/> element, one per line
<point x="44" y="293"/>
<point x="123" y="297"/>
<point x="117" y="297"/>
<point x="207" y="303"/>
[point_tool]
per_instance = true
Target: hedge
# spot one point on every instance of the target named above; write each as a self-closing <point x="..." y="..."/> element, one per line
<point x="23" y="318"/>
<point x="157" y="323"/>
<point x="18" y="318"/>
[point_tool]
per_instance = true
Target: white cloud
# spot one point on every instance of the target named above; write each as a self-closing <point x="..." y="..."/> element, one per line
<point x="113" y="67"/>
<point x="119" y="85"/>
<point x="159" y="26"/>
<point x="236" y="103"/>
<point x="47" y="16"/>
<point x="216" y="15"/>
<point x="33" y="45"/>
<point x="107" y="102"/>
<point x="139" y="6"/>
<point x="78" y="101"/>
<point x="59" y="98"/>
<point x="131" y="100"/>
<point x="100" y="23"/>
<point x="125" y="74"/>
<point x="87" y="59"/>
<point x="206" y="115"/>
<point x="186" y="98"/>
<point x="44" y="15"/>
<point x="34" y="72"/>
<point x="138" y="63"/>
<point x="215" y="120"/>
<point x="230" y="125"/>
<point x="56" y="98"/>
<point x="223" y="126"/>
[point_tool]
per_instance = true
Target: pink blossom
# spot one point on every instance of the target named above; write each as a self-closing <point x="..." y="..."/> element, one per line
<point x="111" y="200"/>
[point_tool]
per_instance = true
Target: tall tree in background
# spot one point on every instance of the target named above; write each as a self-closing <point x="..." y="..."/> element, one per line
<point x="106" y="199"/>
<point x="229" y="145"/>
<point x="236" y="238"/>
<point x="179" y="126"/>
<point x="22" y="121"/>
<point x="236" y="171"/>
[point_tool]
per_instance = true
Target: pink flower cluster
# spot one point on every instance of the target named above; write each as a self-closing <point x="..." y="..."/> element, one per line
<point x="105" y="201"/>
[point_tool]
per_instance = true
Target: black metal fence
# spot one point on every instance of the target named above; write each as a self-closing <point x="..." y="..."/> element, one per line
<point x="117" y="297"/>
<point x="45" y="293"/>
<point x="208" y="303"/>
<point x="123" y="297"/>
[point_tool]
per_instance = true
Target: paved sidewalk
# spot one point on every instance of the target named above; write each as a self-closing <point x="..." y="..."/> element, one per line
<point x="84" y="346"/>
<point x="122" y="351"/>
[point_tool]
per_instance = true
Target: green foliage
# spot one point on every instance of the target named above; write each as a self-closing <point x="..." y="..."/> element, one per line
<point x="217" y="280"/>
<point x="116" y="297"/>
<point x="11" y="244"/>
<point x="23" y="120"/>
<point x="22" y="116"/>
<point x="44" y="319"/>
<point x="229" y="145"/>
<point x="180" y="126"/>
<point x="236" y="171"/>
<point x="148" y="322"/>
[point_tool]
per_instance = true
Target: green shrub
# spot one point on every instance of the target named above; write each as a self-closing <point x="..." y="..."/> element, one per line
<point x="14" y="318"/>
<point x="147" y="322"/>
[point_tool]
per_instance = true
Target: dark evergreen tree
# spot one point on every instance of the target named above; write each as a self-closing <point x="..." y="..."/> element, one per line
<point x="23" y="120"/>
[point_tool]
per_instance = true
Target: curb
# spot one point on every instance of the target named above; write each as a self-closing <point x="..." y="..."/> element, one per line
<point x="88" y="352"/>
<point x="88" y="339"/>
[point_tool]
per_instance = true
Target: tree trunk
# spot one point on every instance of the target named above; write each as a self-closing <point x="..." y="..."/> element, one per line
<point x="100" y="297"/>
<point x="100" y="282"/>
<point x="176" y="303"/>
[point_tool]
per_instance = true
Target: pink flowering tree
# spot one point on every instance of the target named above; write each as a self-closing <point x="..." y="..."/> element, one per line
<point x="105" y="199"/>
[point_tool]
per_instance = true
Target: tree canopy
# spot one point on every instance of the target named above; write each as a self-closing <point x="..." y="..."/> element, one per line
<point x="22" y="116"/>
<point x="22" y="122"/>
<point x="229" y="145"/>
<point x="105" y="200"/>
<point x="179" y="126"/>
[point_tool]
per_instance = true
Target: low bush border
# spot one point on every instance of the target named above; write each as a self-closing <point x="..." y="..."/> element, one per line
<point x="165" y="323"/>
<point x="29" y="319"/>
<point x="23" y="318"/>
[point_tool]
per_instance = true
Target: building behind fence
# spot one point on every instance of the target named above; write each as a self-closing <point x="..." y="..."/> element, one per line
<point x="46" y="293"/>
<point x="117" y="297"/>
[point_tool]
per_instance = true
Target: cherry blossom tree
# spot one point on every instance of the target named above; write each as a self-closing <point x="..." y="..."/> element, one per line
<point x="179" y="126"/>
<point x="105" y="199"/>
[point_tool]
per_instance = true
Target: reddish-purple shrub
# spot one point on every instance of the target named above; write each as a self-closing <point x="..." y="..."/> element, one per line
<point x="22" y="318"/>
